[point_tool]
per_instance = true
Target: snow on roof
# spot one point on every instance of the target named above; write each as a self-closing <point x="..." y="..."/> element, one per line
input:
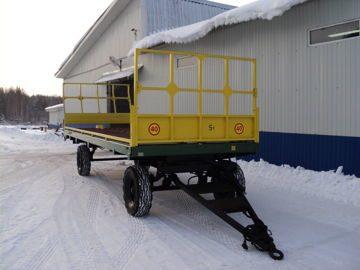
<point x="53" y="108"/>
<point x="260" y="9"/>
<point x="117" y="74"/>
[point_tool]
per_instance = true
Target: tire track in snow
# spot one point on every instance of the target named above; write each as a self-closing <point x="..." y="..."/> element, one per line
<point x="92" y="206"/>
<point x="84" y="237"/>
<point x="21" y="242"/>
<point x="11" y="188"/>
<point x="75" y="231"/>
<point x="10" y="204"/>
<point x="42" y="255"/>
<point x="183" y="243"/>
<point x="210" y="225"/>
<point x="27" y="239"/>
<point x="25" y="156"/>
<point x="132" y="242"/>
<point x="137" y="229"/>
<point x="23" y="172"/>
<point x="11" y="169"/>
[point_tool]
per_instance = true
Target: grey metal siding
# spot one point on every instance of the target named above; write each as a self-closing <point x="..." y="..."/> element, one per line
<point x="155" y="73"/>
<point x="56" y="117"/>
<point x="302" y="89"/>
<point x="177" y="13"/>
<point x="116" y="41"/>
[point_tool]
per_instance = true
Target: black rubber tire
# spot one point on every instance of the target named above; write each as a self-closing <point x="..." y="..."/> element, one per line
<point x="229" y="171"/>
<point x="137" y="191"/>
<point x="83" y="159"/>
<point x="222" y="195"/>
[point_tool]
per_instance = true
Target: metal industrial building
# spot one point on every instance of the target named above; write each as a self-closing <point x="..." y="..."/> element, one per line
<point x="308" y="72"/>
<point x="123" y="23"/>
<point x="56" y="115"/>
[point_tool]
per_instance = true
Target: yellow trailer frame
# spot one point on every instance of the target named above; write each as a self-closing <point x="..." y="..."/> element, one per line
<point x="195" y="127"/>
<point x="172" y="128"/>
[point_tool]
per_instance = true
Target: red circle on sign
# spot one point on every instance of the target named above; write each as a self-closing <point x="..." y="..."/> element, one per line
<point x="239" y="128"/>
<point x="154" y="129"/>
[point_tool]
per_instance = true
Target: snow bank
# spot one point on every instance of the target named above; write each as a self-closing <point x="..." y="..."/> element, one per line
<point x="332" y="185"/>
<point x="260" y="9"/>
<point x="13" y="139"/>
<point x="55" y="107"/>
<point x="15" y="132"/>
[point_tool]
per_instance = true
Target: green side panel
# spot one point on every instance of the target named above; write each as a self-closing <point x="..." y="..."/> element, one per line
<point x="168" y="150"/>
<point x="188" y="149"/>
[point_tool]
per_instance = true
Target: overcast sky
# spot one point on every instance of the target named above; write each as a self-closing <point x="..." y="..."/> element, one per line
<point x="37" y="35"/>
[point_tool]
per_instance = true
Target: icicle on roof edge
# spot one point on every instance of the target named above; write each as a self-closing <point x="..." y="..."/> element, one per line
<point x="260" y="9"/>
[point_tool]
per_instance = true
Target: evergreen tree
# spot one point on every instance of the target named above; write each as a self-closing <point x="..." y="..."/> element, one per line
<point x="18" y="107"/>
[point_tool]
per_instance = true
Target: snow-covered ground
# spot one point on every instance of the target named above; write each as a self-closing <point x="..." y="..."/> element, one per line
<point x="51" y="218"/>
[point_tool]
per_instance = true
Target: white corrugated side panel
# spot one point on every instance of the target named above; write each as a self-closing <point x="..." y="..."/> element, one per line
<point x="302" y="89"/>
<point x="186" y="77"/>
<point x="52" y="118"/>
<point x="88" y="104"/>
<point x="56" y="117"/>
<point x="156" y="74"/>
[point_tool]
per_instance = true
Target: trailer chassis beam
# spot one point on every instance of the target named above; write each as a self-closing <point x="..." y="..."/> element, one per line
<point x="110" y="159"/>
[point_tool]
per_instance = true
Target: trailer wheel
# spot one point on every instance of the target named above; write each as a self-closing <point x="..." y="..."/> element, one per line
<point x="137" y="191"/>
<point x="229" y="171"/>
<point x="83" y="159"/>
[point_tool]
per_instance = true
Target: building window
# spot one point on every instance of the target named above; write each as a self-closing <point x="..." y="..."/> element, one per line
<point x="335" y="32"/>
<point x="185" y="61"/>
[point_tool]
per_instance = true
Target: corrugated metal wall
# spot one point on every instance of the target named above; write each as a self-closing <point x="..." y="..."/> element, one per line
<point x="56" y="117"/>
<point x="309" y="96"/>
<point x="175" y="13"/>
<point x="116" y="41"/>
<point x="317" y="152"/>
<point x="88" y="103"/>
<point x="302" y="88"/>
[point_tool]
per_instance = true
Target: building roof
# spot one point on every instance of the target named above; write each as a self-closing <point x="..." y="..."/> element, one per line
<point x="54" y="108"/>
<point x="160" y="15"/>
<point x="260" y="9"/>
<point x="167" y="14"/>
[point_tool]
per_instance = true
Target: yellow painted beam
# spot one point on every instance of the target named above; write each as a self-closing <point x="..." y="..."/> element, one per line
<point x="188" y="53"/>
<point x="97" y="118"/>
<point x="99" y="135"/>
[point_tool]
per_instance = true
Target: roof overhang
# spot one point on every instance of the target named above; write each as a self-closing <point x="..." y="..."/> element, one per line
<point x="96" y="30"/>
<point x="117" y="74"/>
<point x="258" y="9"/>
<point x="54" y="108"/>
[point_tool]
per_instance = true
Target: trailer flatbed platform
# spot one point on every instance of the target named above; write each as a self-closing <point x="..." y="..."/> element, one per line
<point x="120" y="131"/>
